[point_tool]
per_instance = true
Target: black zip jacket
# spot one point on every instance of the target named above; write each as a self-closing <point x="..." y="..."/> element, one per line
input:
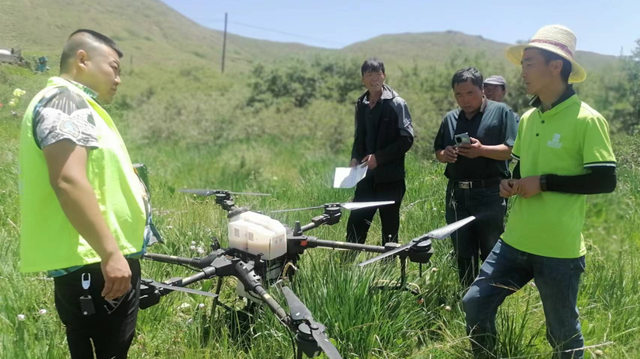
<point x="388" y="134"/>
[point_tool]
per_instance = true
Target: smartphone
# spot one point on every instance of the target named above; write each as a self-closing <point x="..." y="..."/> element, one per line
<point x="462" y="138"/>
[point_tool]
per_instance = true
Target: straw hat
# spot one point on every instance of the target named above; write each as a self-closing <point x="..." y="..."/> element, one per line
<point x="553" y="38"/>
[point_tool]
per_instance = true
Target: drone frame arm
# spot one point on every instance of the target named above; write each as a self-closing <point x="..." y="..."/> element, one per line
<point x="239" y="270"/>
<point x="251" y="283"/>
<point x="313" y="242"/>
<point x="194" y="262"/>
<point x="207" y="273"/>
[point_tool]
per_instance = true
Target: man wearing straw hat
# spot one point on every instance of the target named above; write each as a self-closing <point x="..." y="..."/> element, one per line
<point x="564" y="153"/>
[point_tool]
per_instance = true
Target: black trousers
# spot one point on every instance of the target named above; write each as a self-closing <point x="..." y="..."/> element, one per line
<point x="110" y="330"/>
<point x="360" y="220"/>
<point x="475" y="240"/>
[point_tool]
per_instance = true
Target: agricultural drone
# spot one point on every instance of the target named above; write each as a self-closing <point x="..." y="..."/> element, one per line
<point x="262" y="251"/>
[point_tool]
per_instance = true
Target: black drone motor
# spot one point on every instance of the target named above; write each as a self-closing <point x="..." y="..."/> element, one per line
<point x="421" y="252"/>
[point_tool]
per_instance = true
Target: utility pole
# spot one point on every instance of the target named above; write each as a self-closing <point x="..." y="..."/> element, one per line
<point x="224" y="43"/>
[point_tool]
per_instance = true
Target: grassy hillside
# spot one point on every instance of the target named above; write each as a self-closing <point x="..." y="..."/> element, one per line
<point x="148" y="30"/>
<point x="439" y="46"/>
<point x="152" y="32"/>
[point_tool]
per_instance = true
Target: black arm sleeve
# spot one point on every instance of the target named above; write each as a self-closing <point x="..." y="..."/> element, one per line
<point x="438" y="142"/>
<point x="394" y="150"/>
<point x="358" y="149"/>
<point x="599" y="180"/>
<point x="516" y="172"/>
<point x="404" y="140"/>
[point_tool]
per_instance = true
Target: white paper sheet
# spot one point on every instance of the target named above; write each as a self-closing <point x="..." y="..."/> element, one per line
<point x="348" y="177"/>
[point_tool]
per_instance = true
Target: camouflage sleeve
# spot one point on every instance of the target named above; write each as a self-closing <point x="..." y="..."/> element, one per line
<point x="62" y="115"/>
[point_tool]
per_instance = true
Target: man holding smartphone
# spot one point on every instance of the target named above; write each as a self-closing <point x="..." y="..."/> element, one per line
<point x="475" y="142"/>
<point x="383" y="134"/>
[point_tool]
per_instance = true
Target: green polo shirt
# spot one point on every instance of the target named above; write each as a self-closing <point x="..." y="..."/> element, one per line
<point x="566" y="141"/>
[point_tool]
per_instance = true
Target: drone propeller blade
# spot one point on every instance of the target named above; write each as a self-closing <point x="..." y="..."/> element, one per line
<point x="440" y="233"/>
<point x="444" y="232"/>
<point x="251" y="193"/>
<point x="183" y="289"/>
<point x="323" y="340"/>
<point x="359" y="205"/>
<point x="199" y="192"/>
<point x="295" y="209"/>
<point x="352" y="206"/>
<point x="297" y="309"/>
<point x="388" y="254"/>
<point x="209" y="192"/>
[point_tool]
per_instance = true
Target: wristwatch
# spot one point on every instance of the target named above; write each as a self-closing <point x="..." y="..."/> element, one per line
<point x="543" y="183"/>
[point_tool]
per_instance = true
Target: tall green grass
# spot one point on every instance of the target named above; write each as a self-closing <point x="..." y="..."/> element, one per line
<point x="201" y="134"/>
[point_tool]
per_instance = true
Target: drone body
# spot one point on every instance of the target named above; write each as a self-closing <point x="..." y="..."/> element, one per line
<point x="262" y="250"/>
<point x="257" y="234"/>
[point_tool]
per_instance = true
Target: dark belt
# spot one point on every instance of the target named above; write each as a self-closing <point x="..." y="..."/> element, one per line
<point x="468" y="184"/>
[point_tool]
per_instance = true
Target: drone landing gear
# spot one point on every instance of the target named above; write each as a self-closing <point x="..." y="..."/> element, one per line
<point x="239" y="321"/>
<point x="421" y="254"/>
<point x="400" y="285"/>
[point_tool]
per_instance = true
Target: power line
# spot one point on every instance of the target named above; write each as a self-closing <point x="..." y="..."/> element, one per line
<point x="279" y="32"/>
<point x="288" y="34"/>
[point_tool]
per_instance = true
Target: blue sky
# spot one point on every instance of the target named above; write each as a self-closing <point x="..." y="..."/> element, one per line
<point x="601" y="26"/>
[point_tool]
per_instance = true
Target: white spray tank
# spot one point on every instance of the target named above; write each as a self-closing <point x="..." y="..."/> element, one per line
<point x="255" y="233"/>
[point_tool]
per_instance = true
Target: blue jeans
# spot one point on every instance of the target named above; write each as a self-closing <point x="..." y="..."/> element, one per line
<point x="508" y="269"/>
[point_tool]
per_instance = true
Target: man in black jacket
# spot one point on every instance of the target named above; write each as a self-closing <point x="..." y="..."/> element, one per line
<point x="383" y="134"/>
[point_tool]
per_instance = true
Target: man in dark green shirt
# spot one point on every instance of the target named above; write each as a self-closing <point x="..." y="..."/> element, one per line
<point x="475" y="169"/>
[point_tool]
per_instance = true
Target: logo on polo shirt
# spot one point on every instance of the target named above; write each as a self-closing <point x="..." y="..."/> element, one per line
<point x="555" y="142"/>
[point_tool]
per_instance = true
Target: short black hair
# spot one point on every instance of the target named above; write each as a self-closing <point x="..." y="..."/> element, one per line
<point x="466" y="74"/>
<point x="566" y="64"/>
<point x="372" y="64"/>
<point x="72" y="47"/>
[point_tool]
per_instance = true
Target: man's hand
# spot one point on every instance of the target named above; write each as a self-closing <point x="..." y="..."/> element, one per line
<point x="529" y="186"/>
<point x="353" y="162"/>
<point x="117" y="276"/>
<point x="371" y="162"/>
<point x="449" y="154"/>
<point x="509" y="188"/>
<point x="472" y="150"/>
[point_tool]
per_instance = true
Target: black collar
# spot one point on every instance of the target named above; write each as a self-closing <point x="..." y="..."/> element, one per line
<point x="535" y="102"/>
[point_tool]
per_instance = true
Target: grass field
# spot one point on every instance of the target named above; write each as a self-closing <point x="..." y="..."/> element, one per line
<point x="197" y="131"/>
